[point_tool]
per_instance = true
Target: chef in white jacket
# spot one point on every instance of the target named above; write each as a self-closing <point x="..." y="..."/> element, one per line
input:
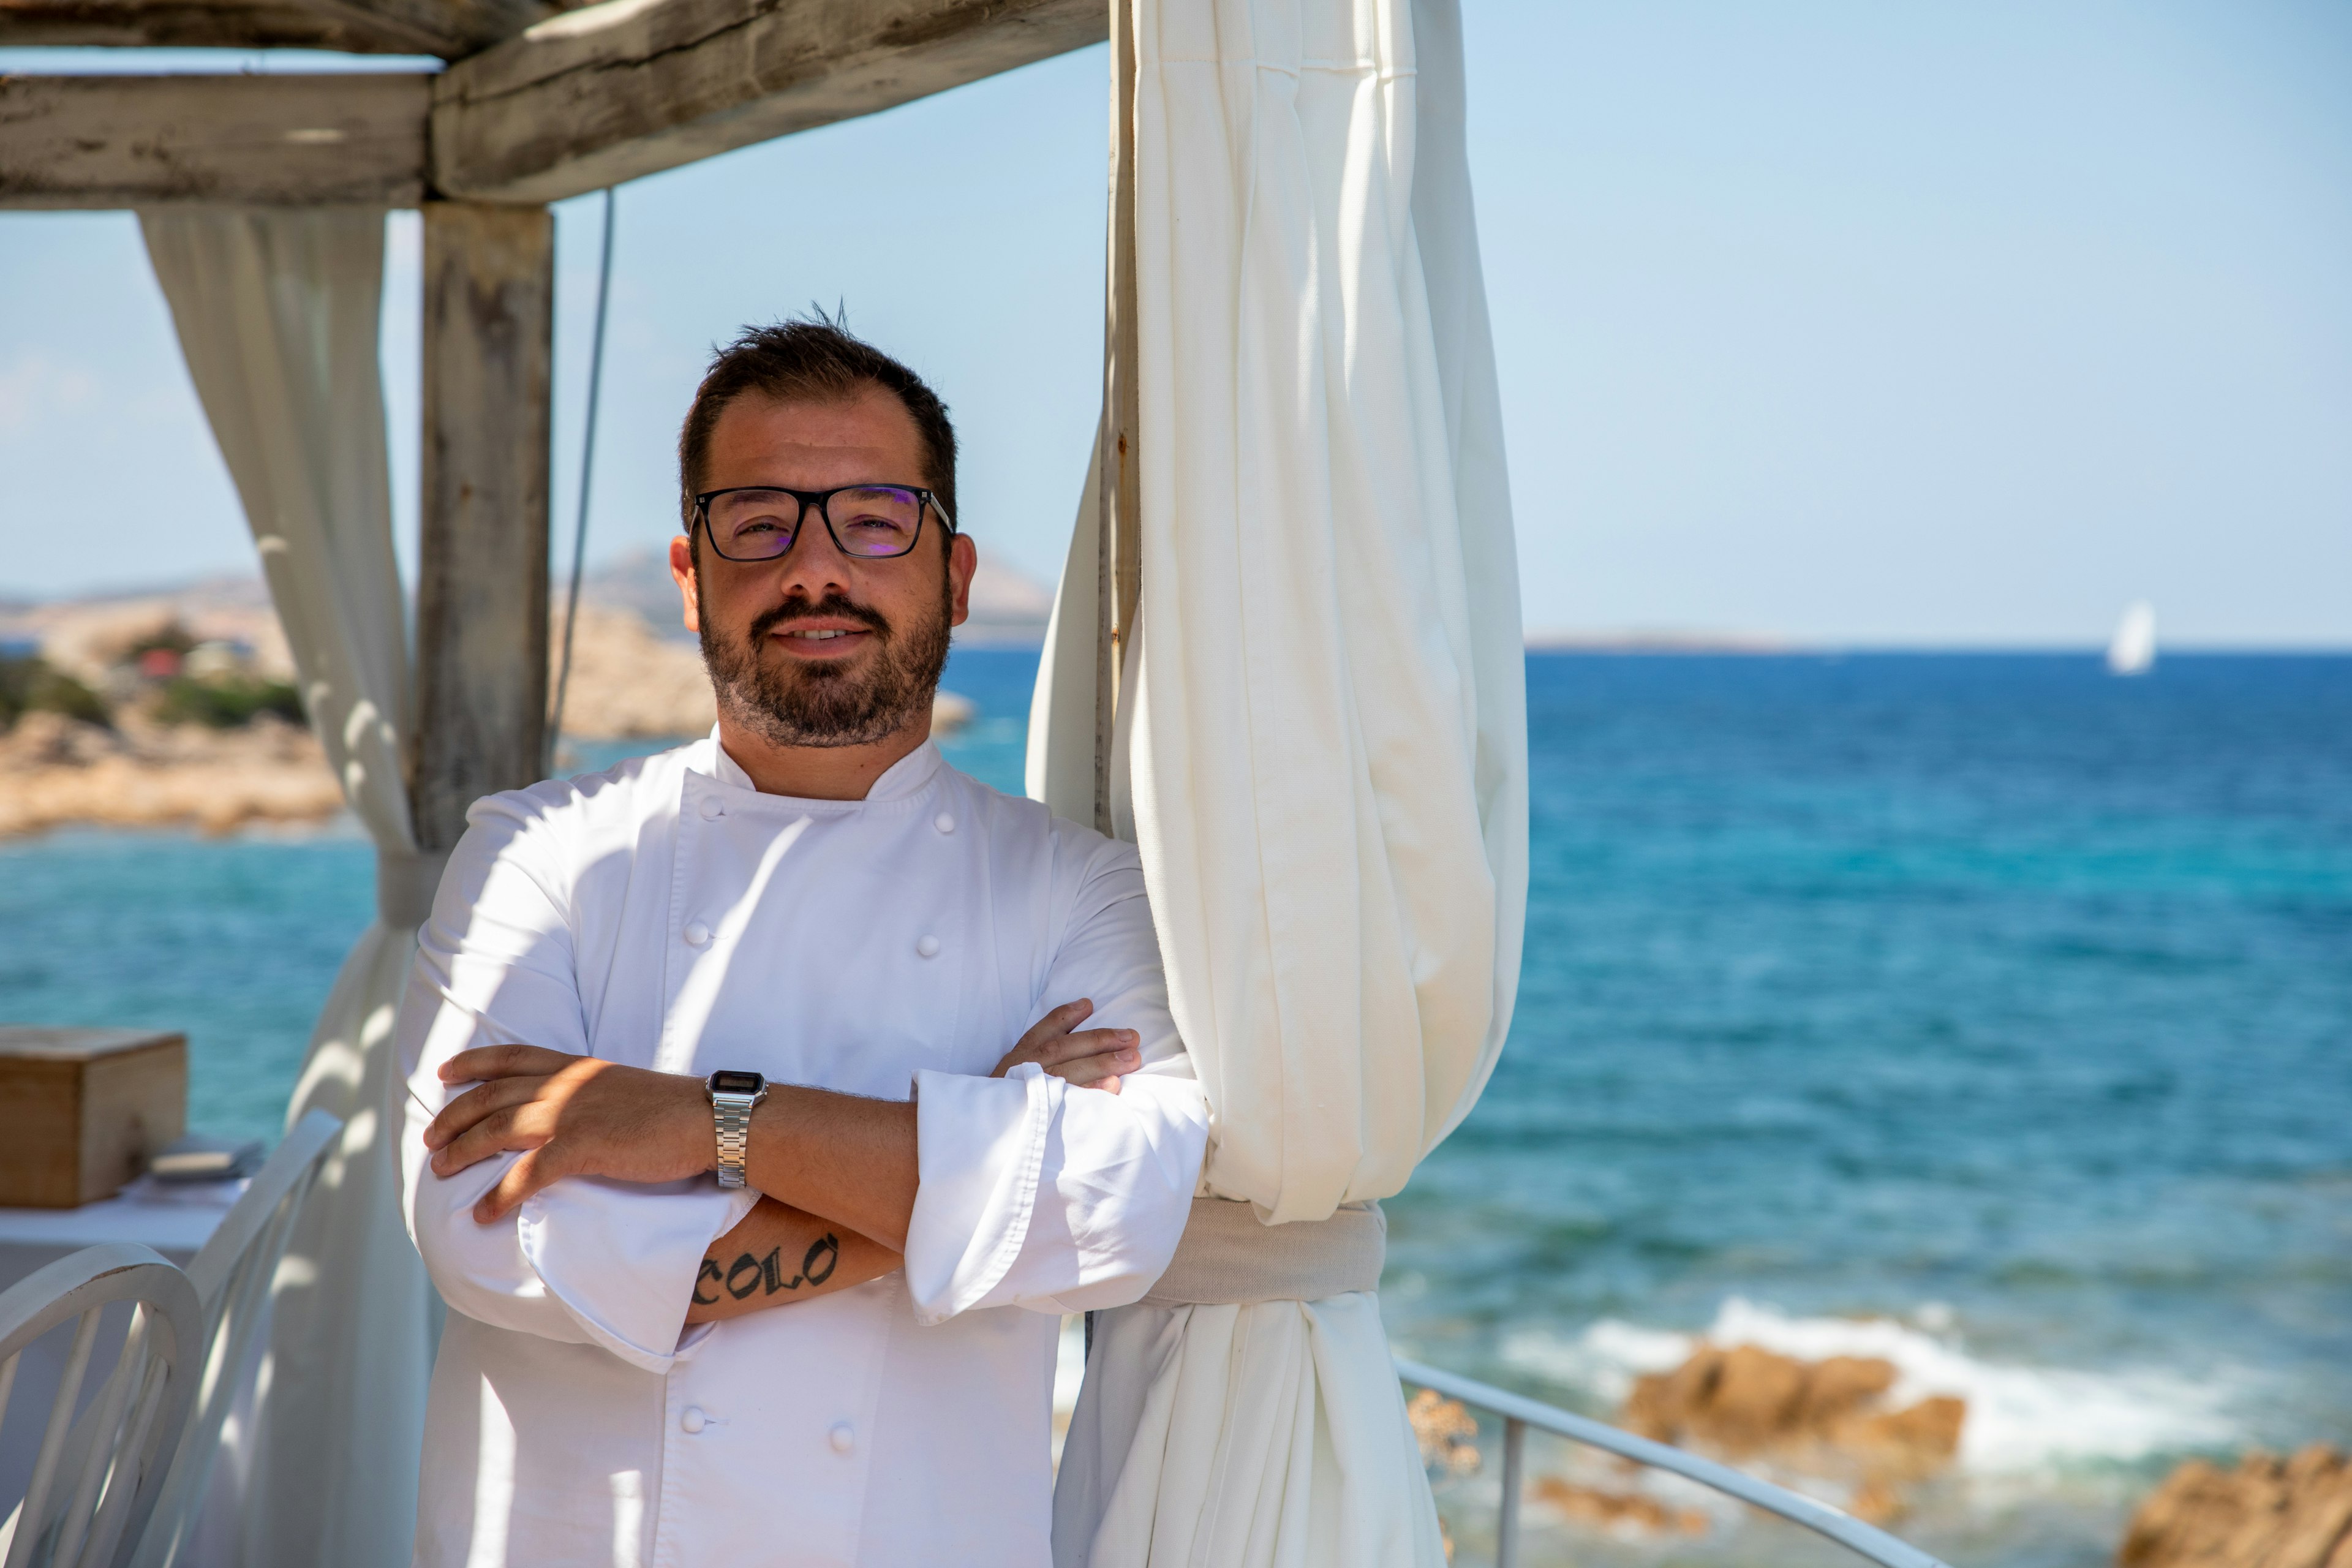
<point x="806" y="955"/>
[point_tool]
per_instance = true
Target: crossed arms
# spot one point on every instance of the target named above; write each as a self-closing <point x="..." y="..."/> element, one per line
<point x="837" y="1173"/>
<point x="557" y="1190"/>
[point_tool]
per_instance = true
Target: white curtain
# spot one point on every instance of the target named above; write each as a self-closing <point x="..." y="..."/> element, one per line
<point x="277" y="314"/>
<point x="1328" y="750"/>
<point x="1060" y="768"/>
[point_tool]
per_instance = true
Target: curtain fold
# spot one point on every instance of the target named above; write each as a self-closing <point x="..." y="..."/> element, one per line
<point x="1327" y="751"/>
<point x="1256" y="1433"/>
<point x="1329" y="776"/>
<point x="278" y="315"/>
<point x="1060" y="766"/>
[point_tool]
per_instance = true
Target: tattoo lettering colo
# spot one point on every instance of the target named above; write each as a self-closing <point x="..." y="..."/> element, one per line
<point x="765" y="1275"/>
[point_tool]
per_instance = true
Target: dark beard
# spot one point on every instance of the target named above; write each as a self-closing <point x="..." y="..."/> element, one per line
<point x="797" y="705"/>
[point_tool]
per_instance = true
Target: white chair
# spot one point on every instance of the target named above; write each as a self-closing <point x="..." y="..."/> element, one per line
<point x="75" y="1514"/>
<point x="232" y="1276"/>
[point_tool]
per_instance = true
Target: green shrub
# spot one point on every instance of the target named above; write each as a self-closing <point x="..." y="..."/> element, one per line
<point x="173" y="638"/>
<point x="28" y="684"/>
<point x="225" y="704"/>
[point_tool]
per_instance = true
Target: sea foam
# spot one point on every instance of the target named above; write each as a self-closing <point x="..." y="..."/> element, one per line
<point x="2021" y="1418"/>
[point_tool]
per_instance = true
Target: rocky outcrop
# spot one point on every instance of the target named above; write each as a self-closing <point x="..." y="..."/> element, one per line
<point x="627" y="683"/>
<point x="1746" y="1400"/>
<point x="55" y="771"/>
<point x="2267" y="1512"/>
<point x="1830" y="1418"/>
<point x="1447" y="1434"/>
<point x="1616" y="1513"/>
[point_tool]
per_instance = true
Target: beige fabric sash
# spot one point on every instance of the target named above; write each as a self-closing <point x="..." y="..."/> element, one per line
<point x="1228" y="1256"/>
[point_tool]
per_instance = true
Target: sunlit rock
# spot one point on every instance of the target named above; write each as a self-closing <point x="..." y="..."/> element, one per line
<point x="2267" y="1512"/>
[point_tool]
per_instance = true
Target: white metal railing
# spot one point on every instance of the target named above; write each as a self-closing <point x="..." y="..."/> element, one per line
<point x="1519" y="1413"/>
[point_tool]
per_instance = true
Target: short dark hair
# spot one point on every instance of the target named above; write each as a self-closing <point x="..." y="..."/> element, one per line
<point x="810" y="359"/>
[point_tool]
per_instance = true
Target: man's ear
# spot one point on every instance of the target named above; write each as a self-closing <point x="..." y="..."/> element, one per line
<point x="963" y="560"/>
<point x="681" y="571"/>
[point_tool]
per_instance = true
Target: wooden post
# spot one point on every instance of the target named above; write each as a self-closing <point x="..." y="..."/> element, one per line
<point x="1119" y="504"/>
<point x="481" y="577"/>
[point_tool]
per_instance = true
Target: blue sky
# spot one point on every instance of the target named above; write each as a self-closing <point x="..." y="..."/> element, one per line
<point x="1961" y="324"/>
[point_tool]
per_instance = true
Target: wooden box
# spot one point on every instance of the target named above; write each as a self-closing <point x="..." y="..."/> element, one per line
<point x="81" y="1110"/>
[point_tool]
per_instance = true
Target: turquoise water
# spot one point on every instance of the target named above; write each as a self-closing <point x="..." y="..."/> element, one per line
<point x="1995" y="998"/>
<point x="1983" y="1012"/>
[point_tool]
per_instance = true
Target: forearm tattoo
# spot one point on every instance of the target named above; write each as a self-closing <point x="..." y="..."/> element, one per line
<point x="709" y="1270"/>
<point x="766" y="1275"/>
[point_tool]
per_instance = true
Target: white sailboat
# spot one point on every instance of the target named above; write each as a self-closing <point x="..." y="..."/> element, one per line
<point x="2132" y="650"/>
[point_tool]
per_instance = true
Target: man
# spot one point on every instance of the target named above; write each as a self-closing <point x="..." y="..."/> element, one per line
<point x="849" y="1359"/>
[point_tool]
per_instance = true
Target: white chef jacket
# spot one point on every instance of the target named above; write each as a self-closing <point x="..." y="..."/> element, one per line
<point x="668" y="915"/>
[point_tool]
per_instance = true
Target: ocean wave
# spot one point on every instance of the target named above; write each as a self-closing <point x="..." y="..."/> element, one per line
<point x="2021" y="1418"/>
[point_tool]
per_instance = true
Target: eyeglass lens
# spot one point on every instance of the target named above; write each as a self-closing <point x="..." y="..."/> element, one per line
<point x="760" y="525"/>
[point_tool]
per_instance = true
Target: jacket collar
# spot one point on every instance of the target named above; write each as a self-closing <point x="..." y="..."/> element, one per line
<point x="902" y="779"/>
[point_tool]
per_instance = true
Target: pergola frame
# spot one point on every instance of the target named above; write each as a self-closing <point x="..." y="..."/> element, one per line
<point x="536" y="105"/>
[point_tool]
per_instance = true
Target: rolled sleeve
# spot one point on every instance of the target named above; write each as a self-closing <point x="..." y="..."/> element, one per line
<point x="1036" y="1195"/>
<point x="981" y="1147"/>
<point x="621" y="1259"/>
<point x="583" y="1261"/>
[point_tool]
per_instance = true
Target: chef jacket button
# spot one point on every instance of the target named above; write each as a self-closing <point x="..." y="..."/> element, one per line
<point x="713" y="808"/>
<point x="929" y="947"/>
<point x="944" y="823"/>
<point x="843" y="1437"/>
<point x="690" y="1419"/>
<point x="697" y="933"/>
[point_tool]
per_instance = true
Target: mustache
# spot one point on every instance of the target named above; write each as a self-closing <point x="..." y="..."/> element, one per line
<point x="832" y="605"/>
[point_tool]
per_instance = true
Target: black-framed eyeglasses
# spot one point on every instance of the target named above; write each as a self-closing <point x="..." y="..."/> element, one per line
<point x="872" y="522"/>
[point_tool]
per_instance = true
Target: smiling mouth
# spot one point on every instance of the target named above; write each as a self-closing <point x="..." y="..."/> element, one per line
<point x="826" y="632"/>
<point x="822" y="643"/>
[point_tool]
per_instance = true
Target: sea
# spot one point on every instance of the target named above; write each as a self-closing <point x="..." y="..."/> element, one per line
<point x="1986" y="1012"/>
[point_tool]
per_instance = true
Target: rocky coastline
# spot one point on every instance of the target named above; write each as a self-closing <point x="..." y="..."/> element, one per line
<point x="58" y="771"/>
<point x="177" y="710"/>
<point x="1835" y="1428"/>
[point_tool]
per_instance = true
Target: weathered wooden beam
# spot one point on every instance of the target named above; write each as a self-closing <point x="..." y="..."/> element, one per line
<point x="445" y="27"/>
<point x="481" y="576"/>
<point x="260" y="140"/>
<point x="1121" y="562"/>
<point x="450" y="28"/>
<point x="633" y="87"/>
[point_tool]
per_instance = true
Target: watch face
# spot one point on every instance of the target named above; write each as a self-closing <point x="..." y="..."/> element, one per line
<point x="737" y="1083"/>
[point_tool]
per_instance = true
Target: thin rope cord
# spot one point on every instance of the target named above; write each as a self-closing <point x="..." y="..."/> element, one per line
<point x="587" y="470"/>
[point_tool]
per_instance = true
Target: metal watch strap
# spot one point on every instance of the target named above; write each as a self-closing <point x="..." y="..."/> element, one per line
<point x="731" y="1114"/>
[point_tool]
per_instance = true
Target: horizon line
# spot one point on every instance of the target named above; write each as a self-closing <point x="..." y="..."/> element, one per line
<point x="1008" y="632"/>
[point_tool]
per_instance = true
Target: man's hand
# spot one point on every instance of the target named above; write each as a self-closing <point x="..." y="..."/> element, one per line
<point x="1090" y="1058"/>
<point x="581" y="1116"/>
<point x="571" y="1115"/>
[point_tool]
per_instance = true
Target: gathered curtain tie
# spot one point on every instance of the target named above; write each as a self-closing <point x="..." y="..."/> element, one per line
<point x="1229" y="1257"/>
<point x="405" y="885"/>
